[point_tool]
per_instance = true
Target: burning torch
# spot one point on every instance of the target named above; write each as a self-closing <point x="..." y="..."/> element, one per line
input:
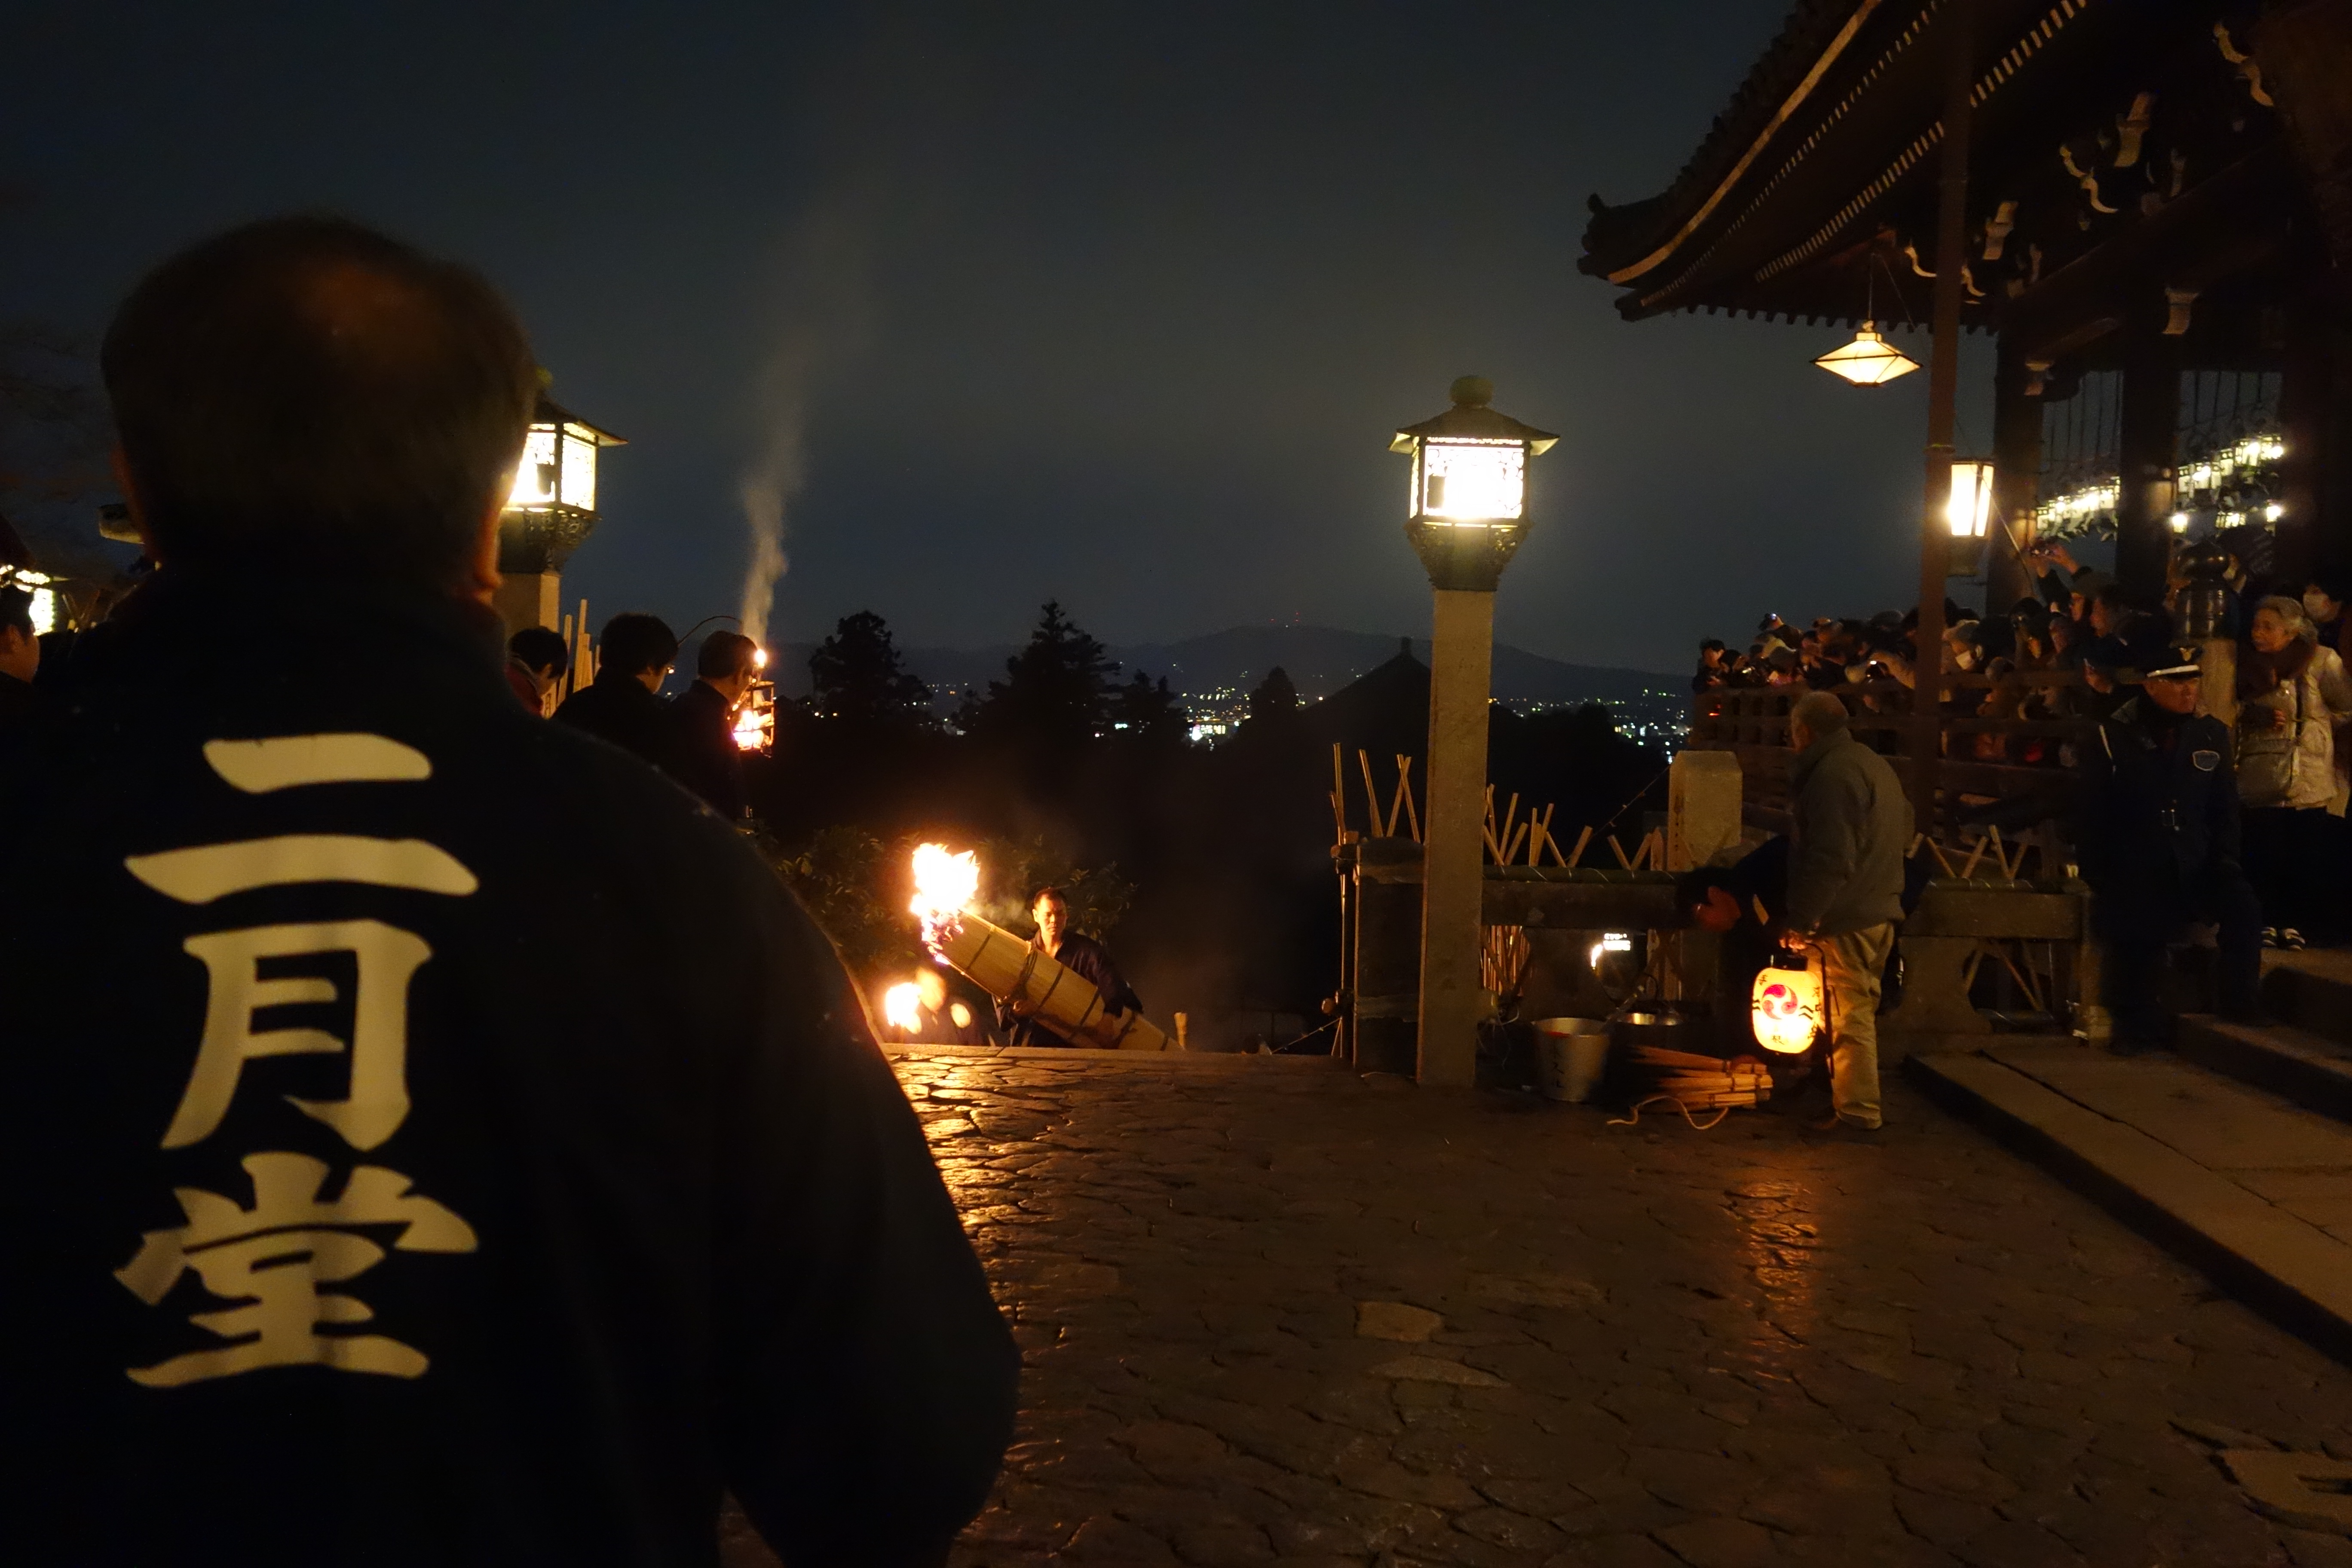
<point x="1010" y="969"/>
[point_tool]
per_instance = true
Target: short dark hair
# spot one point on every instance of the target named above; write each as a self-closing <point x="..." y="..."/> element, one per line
<point x="540" y="648"/>
<point x="305" y="393"/>
<point x="634" y="643"/>
<point x="16" y="608"/>
<point x="1049" y="892"/>
<point x="724" y="656"/>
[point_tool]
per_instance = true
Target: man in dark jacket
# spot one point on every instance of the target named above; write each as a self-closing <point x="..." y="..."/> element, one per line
<point x="1850" y="827"/>
<point x="703" y="753"/>
<point x="2156" y="835"/>
<point x="355" y="1211"/>
<point x="632" y="658"/>
<point x="20" y="660"/>
<point x="1081" y="956"/>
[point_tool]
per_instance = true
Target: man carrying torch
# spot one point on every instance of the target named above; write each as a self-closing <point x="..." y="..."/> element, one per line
<point x="1083" y="956"/>
<point x="1057" y="989"/>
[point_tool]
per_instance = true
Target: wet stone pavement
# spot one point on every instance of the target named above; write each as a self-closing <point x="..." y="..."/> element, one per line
<point x="1275" y="1314"/>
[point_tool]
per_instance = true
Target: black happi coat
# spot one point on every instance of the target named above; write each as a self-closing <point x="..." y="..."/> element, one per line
<point x="390" y="1175"/>
<point x="618" y="709"/>
<point x="1090" y="961"/>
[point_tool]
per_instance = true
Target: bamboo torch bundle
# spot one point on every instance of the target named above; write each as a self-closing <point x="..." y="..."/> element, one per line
<point x="1011" y="970"/>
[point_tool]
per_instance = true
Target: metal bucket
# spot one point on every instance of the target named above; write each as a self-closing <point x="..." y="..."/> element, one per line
<point x="1571" y="1055"/>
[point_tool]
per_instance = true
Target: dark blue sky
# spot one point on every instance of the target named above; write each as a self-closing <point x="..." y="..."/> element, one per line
<point x="1111" y="303"/>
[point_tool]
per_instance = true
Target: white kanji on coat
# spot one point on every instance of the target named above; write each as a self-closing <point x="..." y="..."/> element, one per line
<point x="271" y="1260"/>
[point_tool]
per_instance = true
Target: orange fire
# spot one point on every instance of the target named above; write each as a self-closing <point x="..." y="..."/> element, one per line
<point x="945" y="886"/>
<point x="902" y="1007"/>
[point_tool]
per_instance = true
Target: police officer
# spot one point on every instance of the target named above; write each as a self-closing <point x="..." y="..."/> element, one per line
<point x="2157" y="841"/>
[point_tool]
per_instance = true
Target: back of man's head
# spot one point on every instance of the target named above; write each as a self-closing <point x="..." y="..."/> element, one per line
<point x="1819" y="714"/>
<point x="634" y="643"/>
<point x="308" y="396"/>
<point x="17" y="610"/>
<point x="541" y="650"/>
<point x="725" y="655"/>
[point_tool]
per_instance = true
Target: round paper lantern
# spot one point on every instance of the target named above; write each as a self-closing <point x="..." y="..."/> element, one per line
<point x="1787" y="1008"/>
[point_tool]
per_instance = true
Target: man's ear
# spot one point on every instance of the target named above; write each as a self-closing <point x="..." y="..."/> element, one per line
<point x="133" y="503"/>
<point x="482" y="579"/>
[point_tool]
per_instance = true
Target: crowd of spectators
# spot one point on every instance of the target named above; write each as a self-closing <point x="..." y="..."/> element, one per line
<point x="2294" y="697"/>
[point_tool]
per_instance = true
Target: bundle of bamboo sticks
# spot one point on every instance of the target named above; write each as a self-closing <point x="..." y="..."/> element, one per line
<point x="1699" y="1081"/>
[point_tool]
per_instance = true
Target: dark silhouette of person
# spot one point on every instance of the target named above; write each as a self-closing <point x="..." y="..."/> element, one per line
<point x="632" y="658"/>
<point x="703" y="755"/>
<point x="459" y="1149"/>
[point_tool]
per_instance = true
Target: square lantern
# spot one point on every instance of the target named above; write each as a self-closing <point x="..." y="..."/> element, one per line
<point x="1467" y="507"/>
<point x="1968" y="513"/>
<point x="552" y="505"/>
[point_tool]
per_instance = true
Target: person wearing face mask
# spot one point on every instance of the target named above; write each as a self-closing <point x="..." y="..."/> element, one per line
<point x="2157" y="835"/>
<point x="2323" y="603"/>
<point x="2292" y="694"/>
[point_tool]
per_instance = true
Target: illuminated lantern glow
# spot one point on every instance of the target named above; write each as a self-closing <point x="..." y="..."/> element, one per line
<point x="1868" y="361"/>
<point x="1969" y="508"/>
<point x="1787" y="1008"/>
<point x="1471" y="483"/>
<point x="902" y="1007"/>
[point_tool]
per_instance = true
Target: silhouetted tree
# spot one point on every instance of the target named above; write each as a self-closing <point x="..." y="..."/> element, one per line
<point x="1147" y="716"/>
<point x="1054" y="696"/>
<point x="859" y="677"/>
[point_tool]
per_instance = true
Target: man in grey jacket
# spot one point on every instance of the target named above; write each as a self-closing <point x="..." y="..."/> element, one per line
<point x="1845" y="889"/>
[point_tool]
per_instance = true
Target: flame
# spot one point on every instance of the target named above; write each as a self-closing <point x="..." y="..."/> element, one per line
<point x="751" y="729"/>
<point x="902" y="1007"/>
<point x="945" y="886"/>
<point x="760" y="659"/>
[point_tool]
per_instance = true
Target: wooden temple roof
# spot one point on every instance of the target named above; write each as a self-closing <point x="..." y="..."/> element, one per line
<point x="2120" y="149"/>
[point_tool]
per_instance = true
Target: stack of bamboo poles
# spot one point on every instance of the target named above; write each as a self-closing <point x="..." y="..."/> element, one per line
<point x="1512" y="841"/>
<point x="1503" y="959"/>
<point x="1699" y="1083"/>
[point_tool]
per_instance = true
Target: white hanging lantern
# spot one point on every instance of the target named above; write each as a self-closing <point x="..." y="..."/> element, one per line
<point x="1868" y="361"/>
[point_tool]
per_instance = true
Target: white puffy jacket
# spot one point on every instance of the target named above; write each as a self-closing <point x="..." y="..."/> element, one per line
<point x="2294" y="765"/>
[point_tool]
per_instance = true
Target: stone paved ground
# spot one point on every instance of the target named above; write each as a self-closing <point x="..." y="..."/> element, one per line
<point x="1274" y="1314"/>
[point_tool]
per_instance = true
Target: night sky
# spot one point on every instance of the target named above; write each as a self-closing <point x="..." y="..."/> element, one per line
<point x="1117" y="303"/>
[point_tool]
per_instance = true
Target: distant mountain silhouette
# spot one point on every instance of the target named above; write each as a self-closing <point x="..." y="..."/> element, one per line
<point x="1319" y="660"/>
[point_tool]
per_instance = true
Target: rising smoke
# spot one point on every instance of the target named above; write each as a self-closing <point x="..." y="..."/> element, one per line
<point x="822" y="308"/>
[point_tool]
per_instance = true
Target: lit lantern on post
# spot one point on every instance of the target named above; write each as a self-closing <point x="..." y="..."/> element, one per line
<point x="1787" y="1008"/>
<point x="549" y="512"/>
<point x="1466" y="517"/>
<point x="1968" y="510"/>
<point x="1868" y="361"/>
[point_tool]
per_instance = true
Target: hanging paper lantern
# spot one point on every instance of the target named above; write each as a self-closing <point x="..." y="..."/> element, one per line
<point x="1868" y="361"/>
<point x="1787" y="1008"/>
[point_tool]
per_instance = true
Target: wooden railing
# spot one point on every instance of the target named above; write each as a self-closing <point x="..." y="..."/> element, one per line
<point x="1753" y="724"/>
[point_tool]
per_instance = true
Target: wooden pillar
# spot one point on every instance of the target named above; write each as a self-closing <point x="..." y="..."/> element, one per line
<point x="2017" y="479"/>
<point x="1958" y="44"/>
<point x="1454" y="837"/>
<point x="2307" y="389"/>
<point x="2146" y="448"/>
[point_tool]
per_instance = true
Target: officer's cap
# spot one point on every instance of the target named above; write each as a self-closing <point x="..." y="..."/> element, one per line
<point x="2175" y="663"/>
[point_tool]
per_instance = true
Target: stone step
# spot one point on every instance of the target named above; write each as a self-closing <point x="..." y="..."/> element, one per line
<point x="2311" y="1069"/>
<point x="2313" y="990"/>
<point x="2253" y="1191"/>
